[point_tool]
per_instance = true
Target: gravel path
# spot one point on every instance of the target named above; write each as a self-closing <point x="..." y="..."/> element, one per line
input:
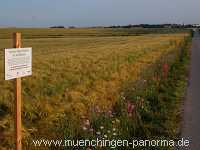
<point x="191" y="123"/>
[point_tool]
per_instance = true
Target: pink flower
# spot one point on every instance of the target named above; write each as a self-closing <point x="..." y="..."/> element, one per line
<point x="110" y="113"/>
<point x="165" y="70"/>
<point x="130" y="108"/>
<point x="97" y="109"/>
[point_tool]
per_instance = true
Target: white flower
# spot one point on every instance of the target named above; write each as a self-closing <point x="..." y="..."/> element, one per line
<point x="98" y="133"/>
<point x="117" y="120"/>
<point x="91" y="130"/>
<point x="108" y="131"/>
<point x="84" y="128"/>
<point x="114" y="129"/>
<point x="114" y="134"/>
<point x="105" y="136"/>
<point x="87" y="122"/>
<point x="101" y="127"/>
<point x="138" y="97"/>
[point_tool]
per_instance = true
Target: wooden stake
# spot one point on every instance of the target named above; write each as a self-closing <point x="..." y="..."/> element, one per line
<point x="18" y="122"/>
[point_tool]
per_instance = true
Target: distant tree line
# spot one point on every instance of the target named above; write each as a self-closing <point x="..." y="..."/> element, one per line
<point x="57" y="27"/>
<point x="156" y="26"/>
<point x="71" y="27"/>
<point x="142" y="26"/>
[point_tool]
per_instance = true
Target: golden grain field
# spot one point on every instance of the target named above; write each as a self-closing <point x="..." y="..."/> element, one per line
<point x="73" y="74"/>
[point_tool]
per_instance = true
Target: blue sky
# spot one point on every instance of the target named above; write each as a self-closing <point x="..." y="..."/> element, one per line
<point x="44" y="13"/>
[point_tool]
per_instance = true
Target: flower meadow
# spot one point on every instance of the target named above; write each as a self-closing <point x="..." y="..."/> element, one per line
<point x="148" y="108"/>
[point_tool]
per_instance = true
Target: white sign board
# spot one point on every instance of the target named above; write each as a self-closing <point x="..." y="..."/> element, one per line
<point x="18" y="63"/>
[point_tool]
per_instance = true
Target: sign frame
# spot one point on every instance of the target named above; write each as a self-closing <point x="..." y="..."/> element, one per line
<point x="18" y="62"/>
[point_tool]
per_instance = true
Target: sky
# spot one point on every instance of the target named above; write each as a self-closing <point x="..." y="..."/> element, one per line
<point x="84" y="13"/>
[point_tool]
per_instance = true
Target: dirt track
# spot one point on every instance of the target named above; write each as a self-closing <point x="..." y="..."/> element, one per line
<point x="191" y="123"/>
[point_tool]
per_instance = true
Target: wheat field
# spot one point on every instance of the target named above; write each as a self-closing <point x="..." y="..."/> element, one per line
<point x="74" y="71"/>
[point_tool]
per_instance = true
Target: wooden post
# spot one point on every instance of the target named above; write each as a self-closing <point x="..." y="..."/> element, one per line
<point x="18" y="121"/>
